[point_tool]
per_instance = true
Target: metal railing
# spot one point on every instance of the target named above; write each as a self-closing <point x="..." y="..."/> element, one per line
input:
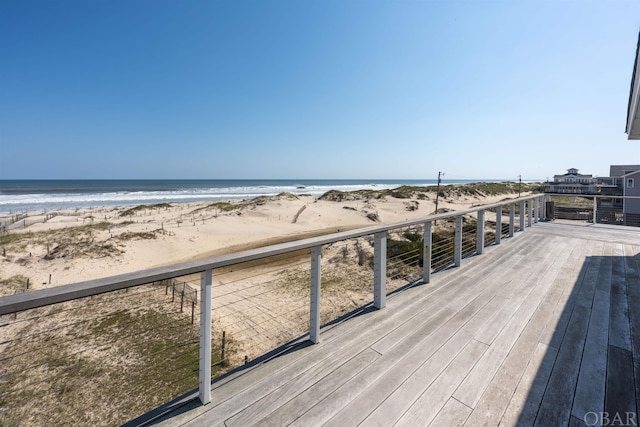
<point x="456" y="234"/>
<point x="599" y="209"/>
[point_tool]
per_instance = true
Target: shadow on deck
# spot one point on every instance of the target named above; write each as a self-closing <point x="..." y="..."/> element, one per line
<point x="590" y="371"/>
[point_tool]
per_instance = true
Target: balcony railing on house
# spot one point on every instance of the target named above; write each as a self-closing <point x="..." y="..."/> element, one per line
<point x="170" y="317"/>
<point x="599" y="209"/>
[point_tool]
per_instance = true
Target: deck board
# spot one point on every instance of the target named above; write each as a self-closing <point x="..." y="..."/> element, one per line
<point x="543" y="328"/>
<point x="477" y="381"/>
<point x="632" y="267"/>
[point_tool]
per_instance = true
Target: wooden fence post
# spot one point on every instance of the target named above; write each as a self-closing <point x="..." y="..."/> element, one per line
<point x="224" y="341"/>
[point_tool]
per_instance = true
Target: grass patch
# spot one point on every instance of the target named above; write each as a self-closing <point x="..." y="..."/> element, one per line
<point x="479" y="189"/>
<point x="141" y="235"/>
<point x="96" y="364"/>
<point x="573" y="201"/>
<point x="11" y="284"/>
<point x="70" y="242"/>
<point x="134" y="210"/>
<point x="40" y="237"/>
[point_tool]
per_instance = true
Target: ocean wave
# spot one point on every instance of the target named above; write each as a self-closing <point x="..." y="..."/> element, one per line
<point x="125" y="196"/>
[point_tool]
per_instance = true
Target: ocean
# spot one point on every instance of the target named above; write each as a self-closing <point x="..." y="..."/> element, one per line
<point x="49" y="195"/>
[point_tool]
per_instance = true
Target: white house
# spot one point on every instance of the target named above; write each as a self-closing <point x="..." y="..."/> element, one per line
<point x="571" y="182"/>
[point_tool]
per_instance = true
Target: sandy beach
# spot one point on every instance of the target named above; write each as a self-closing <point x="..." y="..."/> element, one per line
<point x="120" y="240"/>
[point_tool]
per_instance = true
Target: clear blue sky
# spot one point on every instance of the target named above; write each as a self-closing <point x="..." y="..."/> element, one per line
<point x="314" y="89"/>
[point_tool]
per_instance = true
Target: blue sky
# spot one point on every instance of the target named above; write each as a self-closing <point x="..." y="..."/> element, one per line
<point x="314" y="89"/>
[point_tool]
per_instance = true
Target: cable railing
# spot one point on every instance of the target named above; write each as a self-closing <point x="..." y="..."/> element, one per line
<point x="600" y="209"/>
<point x="150" y="336"/>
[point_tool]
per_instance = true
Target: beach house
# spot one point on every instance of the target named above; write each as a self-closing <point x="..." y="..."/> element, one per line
<point x="627" y="183"/>
<point x="571" y="182"/>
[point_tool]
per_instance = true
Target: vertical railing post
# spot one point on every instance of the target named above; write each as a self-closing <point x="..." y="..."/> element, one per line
<point x="480" y="233"/>
<point x="204" y="381"/>
<point x="595" y="210"/>
<point x="380" y="270"/>
<point x="457" y="242"/>
<point x="512" y="219"/>
<point x="314" y="312"/>
<point x="541" y="214"/>
<point x="427" y="238"/>
<point x="536" y="209"/>
<point x="498" y="224"/>
<point x="523" y="213"/>
<point x="530" y="212"/>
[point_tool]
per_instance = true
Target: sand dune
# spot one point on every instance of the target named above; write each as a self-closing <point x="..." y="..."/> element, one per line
<point x="93" y="243"/>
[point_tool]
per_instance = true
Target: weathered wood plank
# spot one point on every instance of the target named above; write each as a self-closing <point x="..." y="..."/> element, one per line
<point x="297" y="406"/>
<point x="632" y="275"/>
<point x="379" y="381"/>
<point x="288" y="391"/>
<point x="453" y="414"/>
<point x="524" y="404"/>
<point x="619" y="335"/>
<point x="476" y="382"/>
<point x="620" y="398"/>
<point x="471" y="285"/>
<point x="589" y="393"/>
<point x="555" y="408"/>
<point x="581" y="293"/>
<point x="427" y="370"/>
<point x="434" y="398"/>
<point x="494" y="401"/>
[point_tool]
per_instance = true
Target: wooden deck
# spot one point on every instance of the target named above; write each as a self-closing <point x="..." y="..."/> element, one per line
<point x="543" y="329"/>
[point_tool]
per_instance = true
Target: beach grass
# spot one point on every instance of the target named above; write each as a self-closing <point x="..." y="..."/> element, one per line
<point x="105" y="365"/>
<point x="137" y="209"/>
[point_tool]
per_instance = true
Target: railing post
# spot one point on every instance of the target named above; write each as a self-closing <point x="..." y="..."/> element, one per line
<point x="380" y="270"/>
<point x="498" y="225"/>
<point x="457" y="242"/>
<point x="512" y="219"/>
<point x="314" y="317"/>
<point x="530" y="213"/>
<point x="204" y="383"/>
<point x="536" y="209"/>
<point x="480" y="233"/>
<point x="595" y="210"/>
<point x="428" y="252"/>
<point x="523" y="213"/>
<point x="541" y="213"/>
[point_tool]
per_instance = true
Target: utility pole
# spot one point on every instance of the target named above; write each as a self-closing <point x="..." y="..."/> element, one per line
<point x="438" y="193"/>
<point x="519" y="184"/>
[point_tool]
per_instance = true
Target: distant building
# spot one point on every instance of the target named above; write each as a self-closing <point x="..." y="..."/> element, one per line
<point x="628" y="177"/>
<point x="624" y="180"/>
<point x="571" y="182"/>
